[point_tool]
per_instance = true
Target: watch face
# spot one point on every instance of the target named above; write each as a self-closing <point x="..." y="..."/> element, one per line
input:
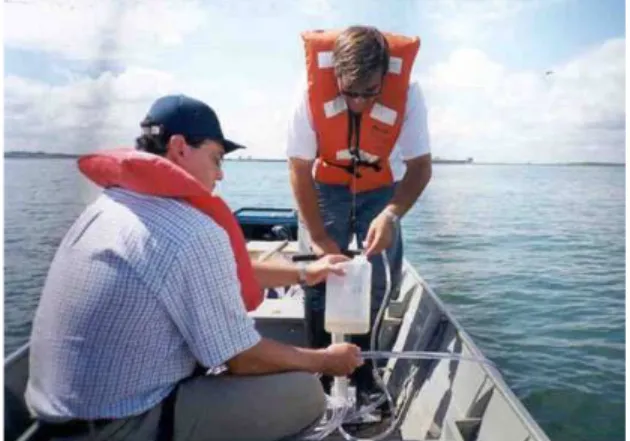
<point x="392" y="216"/>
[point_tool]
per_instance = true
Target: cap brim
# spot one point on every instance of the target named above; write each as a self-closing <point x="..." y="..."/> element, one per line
<point x="230" y="146"/>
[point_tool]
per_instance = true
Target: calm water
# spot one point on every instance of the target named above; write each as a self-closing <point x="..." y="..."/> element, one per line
<point x="530" y="259"/>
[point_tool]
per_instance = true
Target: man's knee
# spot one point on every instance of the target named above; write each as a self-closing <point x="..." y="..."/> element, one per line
<point x="307" y="404"/>
<point x="309" y="389"/>
<point x="266" y="407"/>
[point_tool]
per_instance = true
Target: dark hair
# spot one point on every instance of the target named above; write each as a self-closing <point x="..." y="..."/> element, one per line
<point x="360" y="51"/>
<point x="154" y="139"/>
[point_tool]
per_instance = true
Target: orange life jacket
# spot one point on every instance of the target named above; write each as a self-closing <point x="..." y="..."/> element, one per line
<point x="380" y="124"/>
<point x="146" y="173"/>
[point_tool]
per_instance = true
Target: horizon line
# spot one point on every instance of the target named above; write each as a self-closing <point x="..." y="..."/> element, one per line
<point x="17" y="154"/>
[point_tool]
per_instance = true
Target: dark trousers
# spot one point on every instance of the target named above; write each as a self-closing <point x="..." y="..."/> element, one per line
<point x="335" y="203"/>
<point x="317" y="337"/>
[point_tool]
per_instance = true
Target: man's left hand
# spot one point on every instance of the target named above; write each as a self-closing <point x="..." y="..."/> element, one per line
<point x="380" y="234"/>
<point x="317" y="271"/>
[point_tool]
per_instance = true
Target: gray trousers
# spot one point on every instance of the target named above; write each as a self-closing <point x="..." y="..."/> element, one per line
<point x="207" y="408"/>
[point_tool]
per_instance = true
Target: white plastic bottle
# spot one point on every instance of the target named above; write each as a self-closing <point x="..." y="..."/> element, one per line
<point x="348" y="298"/>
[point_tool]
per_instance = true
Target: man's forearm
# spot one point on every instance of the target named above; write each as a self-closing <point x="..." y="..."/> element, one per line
<point x="303" y="188"/>
<point x="276" y="273"/>
<point x="269" y="356"/>
<point x="417" y="176"/>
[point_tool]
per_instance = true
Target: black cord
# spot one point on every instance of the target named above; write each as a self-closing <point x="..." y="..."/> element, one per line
<point x="354" y="131"/>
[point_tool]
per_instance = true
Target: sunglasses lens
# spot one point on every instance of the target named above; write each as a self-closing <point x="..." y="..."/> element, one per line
<point x="360" y="95"/>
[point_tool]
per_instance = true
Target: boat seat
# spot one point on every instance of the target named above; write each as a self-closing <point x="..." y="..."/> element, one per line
<point x="282" y="320"/>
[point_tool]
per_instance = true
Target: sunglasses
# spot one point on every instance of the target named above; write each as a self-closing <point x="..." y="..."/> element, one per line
<point x="364" y="95"/>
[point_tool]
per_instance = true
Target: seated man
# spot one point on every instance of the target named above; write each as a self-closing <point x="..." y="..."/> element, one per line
<point x="148" y="286"/>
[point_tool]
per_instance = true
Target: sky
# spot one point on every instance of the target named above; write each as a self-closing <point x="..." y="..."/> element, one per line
<point x="503" y="80"/>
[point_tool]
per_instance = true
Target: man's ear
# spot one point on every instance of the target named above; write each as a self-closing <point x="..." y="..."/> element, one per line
<point x="176" y="148"/>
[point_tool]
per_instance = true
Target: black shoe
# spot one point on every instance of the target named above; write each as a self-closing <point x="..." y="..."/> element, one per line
<point x="367" y="399"/>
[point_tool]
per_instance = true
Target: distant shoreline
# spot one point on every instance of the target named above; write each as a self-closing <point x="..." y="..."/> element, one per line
<point x="44" y="155"/>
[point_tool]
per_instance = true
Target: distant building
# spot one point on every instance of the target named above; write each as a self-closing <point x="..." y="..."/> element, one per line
<point x="438" y="160"/>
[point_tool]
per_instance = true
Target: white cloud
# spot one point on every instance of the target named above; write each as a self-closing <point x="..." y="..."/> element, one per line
<point x="477" y="108"/>
<point x="468" y="68"/>
<point x="104" y="112"/>
<point x="80" y="116"/>
<point x="137" y="30"/>
<point x="94" y="29"/>
<point x="466" y="20"/>
<point x="482" y="109"/>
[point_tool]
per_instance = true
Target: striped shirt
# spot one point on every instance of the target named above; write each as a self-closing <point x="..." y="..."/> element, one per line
<point x="140" y="290"/>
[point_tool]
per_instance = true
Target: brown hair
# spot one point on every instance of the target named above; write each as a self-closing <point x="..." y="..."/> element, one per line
<point x="359" y="52"/>
<point x="157" y="143"/>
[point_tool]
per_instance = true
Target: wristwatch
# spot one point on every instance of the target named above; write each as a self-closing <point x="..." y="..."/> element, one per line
<point x="391" y="216"/>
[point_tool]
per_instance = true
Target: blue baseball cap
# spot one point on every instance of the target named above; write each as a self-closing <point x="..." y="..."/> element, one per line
<point x="183" y="115"/>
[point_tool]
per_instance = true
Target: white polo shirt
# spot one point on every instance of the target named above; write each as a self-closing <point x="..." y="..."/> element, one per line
<point x="412" y="142"/>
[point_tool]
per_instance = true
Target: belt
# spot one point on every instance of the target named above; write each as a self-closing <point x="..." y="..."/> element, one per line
<point x="82" y="427"/>
<point x="72" y="427"/>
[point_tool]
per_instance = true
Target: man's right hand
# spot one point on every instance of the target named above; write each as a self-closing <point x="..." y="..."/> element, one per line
<point x="342" y="359"/>
<point x="270" y="356"/>
<point x="324" y="246"/>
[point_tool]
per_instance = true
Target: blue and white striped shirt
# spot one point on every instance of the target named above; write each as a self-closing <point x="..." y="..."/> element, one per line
<point x="140" y="289"/>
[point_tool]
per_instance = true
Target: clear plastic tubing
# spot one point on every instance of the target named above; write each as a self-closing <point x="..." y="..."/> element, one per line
<point x="338" y="404"/>
<point x="339" y="407"/>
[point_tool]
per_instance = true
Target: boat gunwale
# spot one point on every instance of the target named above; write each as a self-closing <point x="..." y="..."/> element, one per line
<point x="16" y="354"/>
<point x="489" y="369"/>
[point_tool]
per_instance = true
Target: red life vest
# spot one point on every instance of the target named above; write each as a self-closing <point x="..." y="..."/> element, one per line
<point x="150" y="174"/>
<point x="381" y="123"/>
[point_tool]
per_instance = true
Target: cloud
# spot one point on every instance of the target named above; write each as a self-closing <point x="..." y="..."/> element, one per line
<point x="483" y="109"/>
<point x="104" y="112"/>
<point x="137" y="30"/>
<point x="87" y="30"/>
<point x="477" y="107"/>
<point x="464" y="20"/>
<point x="81" y="116"/>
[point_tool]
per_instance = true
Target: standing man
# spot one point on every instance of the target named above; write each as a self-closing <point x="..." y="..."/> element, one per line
<point x="359" y="156"/>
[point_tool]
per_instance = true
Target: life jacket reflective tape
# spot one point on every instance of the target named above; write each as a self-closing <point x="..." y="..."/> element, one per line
<point x="380" y="123"/>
